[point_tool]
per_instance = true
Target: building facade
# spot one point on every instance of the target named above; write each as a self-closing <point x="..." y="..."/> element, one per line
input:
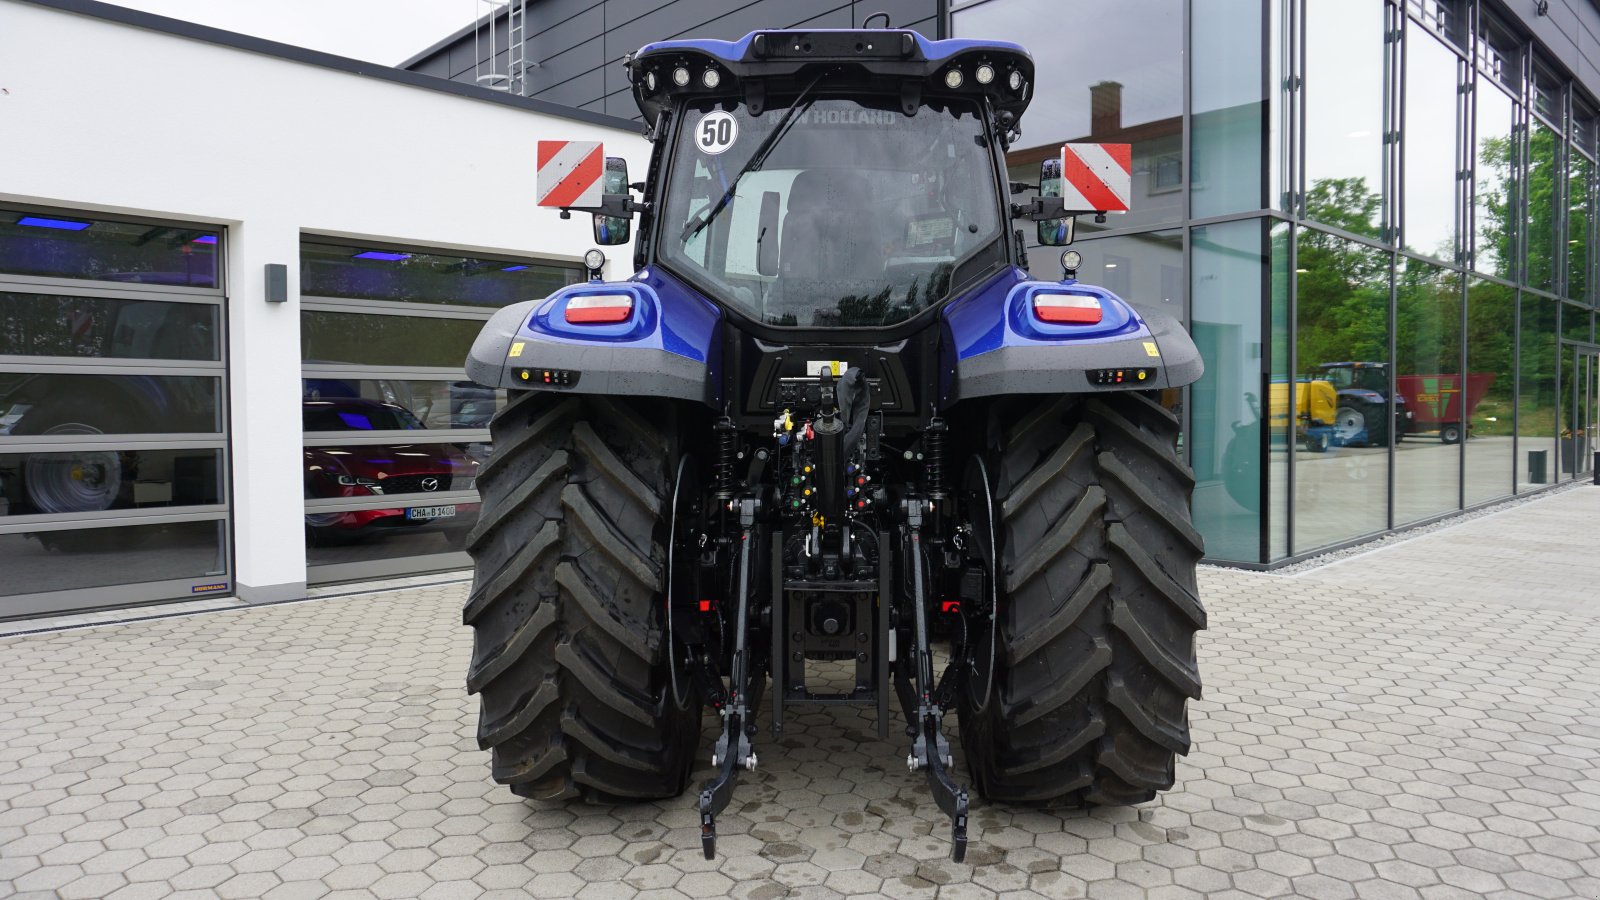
<point x="232" y="336"/>
<point x="1376" y="216"/>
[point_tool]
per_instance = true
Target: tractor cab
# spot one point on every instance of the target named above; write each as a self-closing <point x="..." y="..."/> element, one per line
<point x="830" y="179"/>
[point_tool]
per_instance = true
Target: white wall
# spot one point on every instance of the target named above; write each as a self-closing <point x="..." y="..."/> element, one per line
<point x="105" y="117"/>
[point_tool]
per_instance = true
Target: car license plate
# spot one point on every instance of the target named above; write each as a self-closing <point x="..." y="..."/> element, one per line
<point x="430" y="512"/>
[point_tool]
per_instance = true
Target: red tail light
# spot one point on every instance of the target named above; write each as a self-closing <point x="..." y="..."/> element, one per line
<point x="599" y="309"/>
<point x="1067" y="309"/>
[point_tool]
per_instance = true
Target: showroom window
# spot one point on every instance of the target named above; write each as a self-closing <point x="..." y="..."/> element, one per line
<point x="113" y="419"/>
<point x="394" y="431"/>
<point x="1113" y="73"/>
<point x="1582" y="188"/>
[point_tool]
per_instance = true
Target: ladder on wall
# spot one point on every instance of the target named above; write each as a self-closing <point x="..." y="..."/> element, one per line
<point x="486" y="70"/>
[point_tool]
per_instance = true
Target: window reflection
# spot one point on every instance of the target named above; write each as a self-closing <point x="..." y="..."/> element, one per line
<point x="1580" y="222"/>
<point x="383" y="340"/>
<point x="1229" y="108"/>
<point x="1340" y="395"/>
<point x="1144" y="269"/>
<point x="331" y="270"/>
<point x="93" y="479"/>
<point x="78" y="558"/>
<point x="1491" y="356"/>
<point x="1113" y="73"/>
<point x="1536" y="392"/>
<point x="1431" y="182"/>
<point x="73" y="246"/>
<point x="99" y="327"/>
<point x="1432" y="400"/>
<point x="1344" y="103"/>
<point x="1543" y="177"/>
<point x="1495" y="189"/>
<point x="1227" y="415"/>
<point x="383" y="534"/>
<point x="429" y="404"/>
<point x="50" y="403"/>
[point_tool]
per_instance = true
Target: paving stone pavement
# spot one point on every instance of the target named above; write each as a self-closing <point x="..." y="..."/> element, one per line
<point x="1355" y="740"/>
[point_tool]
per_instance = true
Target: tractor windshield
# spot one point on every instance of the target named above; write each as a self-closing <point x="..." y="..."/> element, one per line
<point x="857" y="216"/>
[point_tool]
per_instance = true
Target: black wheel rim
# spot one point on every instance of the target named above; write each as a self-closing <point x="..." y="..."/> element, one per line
<point x="982" y="628"/>
<point x="680" y="539"/>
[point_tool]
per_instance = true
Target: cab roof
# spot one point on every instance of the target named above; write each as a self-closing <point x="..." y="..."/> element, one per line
<point x="763" y="64"/>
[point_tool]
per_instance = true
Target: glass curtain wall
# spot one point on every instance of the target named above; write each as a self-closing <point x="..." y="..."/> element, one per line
<point x="1383" y="205"/>
<point x="113" y="424"/>
<point x="394" y="432"/>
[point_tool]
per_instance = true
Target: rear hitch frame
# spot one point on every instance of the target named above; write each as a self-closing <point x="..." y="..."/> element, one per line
<point x="733" y="750"/>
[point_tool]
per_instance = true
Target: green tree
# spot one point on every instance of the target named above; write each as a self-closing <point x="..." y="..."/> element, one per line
<point x="1343" y="285"/>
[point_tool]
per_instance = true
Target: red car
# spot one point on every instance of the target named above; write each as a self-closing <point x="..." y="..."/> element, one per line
<point x="409" y="472"/>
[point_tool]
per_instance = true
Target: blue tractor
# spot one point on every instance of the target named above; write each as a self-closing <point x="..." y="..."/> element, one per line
<point x="833" y="421"/>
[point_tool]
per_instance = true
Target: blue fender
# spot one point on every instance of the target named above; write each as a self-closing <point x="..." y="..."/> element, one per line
<point x="670" y="345"/>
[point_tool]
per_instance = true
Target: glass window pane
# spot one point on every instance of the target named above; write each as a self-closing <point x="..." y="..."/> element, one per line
<point x="1428" y="391"/>
<point x="1344" y="113"/>
<point x="1576" y="326"/>
<point x="1580" y="221"/>
<point x="1280" y="444"/>
<point x="1106" y="72"/>
<point x="1536" y="393"/>
<point x="41" y="561"/>
<point x="331" y="270"/>
<point x="51" y="403"/>
<point x="382" y="340"/>
<point x="1544" y="175"/>
<point x="1447" y="18"/>
<point x="95" y="479"/>
<point x="73" y="246"/>
<point x="404" y="532"/>
<point x="422" y="404"/>
<point x="1343" y="418"/>
<point x="1499" y="53"/>
<point x="1230" y="262"/>
<point x="1492" y="378"/>
<point x="54" y="325"/>
<point x="1496" y="183"/>
<point x="1431" y="183"/>
<point x="1227" y="85"/>
<point x="1144" y="269"/>
<point x="381" y="470"/>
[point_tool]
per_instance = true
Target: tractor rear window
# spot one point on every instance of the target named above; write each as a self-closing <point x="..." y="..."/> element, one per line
<point x="857" y="217"/>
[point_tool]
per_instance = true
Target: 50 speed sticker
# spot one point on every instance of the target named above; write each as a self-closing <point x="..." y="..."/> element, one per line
<point x="716" y="132"/>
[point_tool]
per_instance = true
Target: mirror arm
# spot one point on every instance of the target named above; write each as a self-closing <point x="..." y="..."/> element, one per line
<point x="619" y="206"/>
<point x="1041" y="209"/>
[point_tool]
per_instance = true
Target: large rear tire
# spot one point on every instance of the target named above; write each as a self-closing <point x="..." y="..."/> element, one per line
<point x="1098" y="606"/>
<point x="569" y="652"/>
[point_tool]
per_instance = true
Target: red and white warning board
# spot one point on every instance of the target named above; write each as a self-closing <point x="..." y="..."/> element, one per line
<point x="569" y="173"/>
<point x="1097" y="177"/>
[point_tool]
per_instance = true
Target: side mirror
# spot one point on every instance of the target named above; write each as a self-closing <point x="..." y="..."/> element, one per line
<point x="609" y="231"/>
<point x="1054" y="232"/>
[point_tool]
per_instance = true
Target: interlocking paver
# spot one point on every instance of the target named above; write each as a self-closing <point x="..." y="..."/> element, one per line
<point x="1363" y="734"/>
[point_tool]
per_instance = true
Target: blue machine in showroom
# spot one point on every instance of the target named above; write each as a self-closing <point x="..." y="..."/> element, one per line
<point x="834" y="443"/>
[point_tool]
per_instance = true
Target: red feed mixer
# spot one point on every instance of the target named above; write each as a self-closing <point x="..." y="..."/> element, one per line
<point x="1436" y="403"/>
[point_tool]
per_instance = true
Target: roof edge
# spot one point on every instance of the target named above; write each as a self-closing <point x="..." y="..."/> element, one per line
<point x="121" y="15"/>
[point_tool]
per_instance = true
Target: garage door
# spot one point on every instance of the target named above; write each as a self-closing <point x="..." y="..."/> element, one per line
<point x="113" y="419"/>
<point x="394" y="431"/>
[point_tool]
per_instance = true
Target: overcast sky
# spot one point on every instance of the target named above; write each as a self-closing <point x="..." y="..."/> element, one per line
<point x="381" y="31"/>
